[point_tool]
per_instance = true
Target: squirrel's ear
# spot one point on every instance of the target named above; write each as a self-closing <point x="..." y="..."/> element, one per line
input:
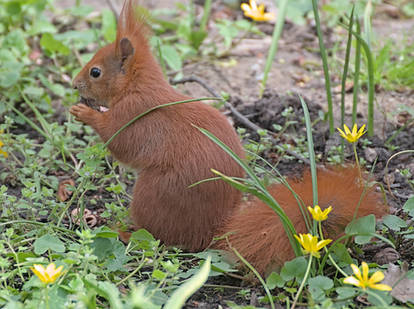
<point x="126" y="49"/>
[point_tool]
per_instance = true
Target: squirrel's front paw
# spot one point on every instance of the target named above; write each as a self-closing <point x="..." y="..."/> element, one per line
<point x="84" y="113"/>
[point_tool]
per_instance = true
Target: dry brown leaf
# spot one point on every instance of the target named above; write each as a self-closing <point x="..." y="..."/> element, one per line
<point x="63" y="193"/>
<point x="404" y="289"/>
<point x="88" y="217"/>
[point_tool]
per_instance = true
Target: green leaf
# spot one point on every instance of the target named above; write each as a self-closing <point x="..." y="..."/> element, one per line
<point x="409" y="206"/>
<point x="16" y="40"/>
<point x="363" y="227"/>
<point x="50" y="44"/>
<point x="318" y="285"/>
<point x="275" y="280"/>
<point x="107" y="290"/>
<point x="346" y="292"/>
<point x="105" y="232"/>
<point x="108" y="25"/>
<point x="42" y="25"/>
<point x="13" y="8"/>
<point x="9" y="79"/>
<point x="142" y="235"/>
<point x="322" y="282"/>
<point x="197" y="37"/>
<point x="48" y="242"/>
<point x="33" y="91"/>
<point x="159" y="275"/>
<point x="294" y="269"/>
<point x="341" y="253"/>
<point x="81" y="10"/>
<point x="171" y="56"/>
<point x="394" y="223"/>
<point x="179" y="297"/>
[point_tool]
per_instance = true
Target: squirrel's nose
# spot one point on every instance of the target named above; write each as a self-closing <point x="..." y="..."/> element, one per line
<point x="75" y="83"/>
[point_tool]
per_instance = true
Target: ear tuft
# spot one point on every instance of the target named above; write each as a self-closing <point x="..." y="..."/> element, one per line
<point x="126" y="49"/>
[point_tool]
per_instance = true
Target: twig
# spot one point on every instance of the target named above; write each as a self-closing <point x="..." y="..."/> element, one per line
<point x="233" y="110"/>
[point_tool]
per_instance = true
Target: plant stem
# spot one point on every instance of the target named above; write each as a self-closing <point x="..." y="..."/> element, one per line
<point x="330" y="256"/>
<point x="356" y="73"/>
<point x="47" y="296"/>
<point x="325" y="66"/>
<point x="303" y="283"/>
<point x="356" y="159"/>
<point x="206" y="15"/>
<point x="266" y="288"/>
<point x="277" y="31"/>
<point x="151" y="110"/>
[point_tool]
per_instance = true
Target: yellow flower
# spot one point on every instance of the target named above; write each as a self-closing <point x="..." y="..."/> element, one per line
<point x="5" y="154"/>
<point x="48" y="274"/>
<point x="318" y="214"/>
<point x="363" y="281"/>
<point x="255" y="12"/>
<point x="353" y="136"/>
<point x="311" y="245"/>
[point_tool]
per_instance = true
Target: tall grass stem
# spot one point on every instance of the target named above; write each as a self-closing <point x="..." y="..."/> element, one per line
<point x="277" y="31"/>
<point x="357" y="68"/>
<point x="325" y="66"/>
<point x="206" y="15"/>
<point x="344" y="76"/>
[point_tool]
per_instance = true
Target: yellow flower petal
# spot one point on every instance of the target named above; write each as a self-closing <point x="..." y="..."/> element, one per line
<point x="363" y="280"/>
<point x="310" y="244"/>
<point x="352" y="280"/>
<point x="318" y="214"/>
<point x="48" y="275"/>
<point x="365" y="271"/>
<point x="256" y="12"/>
<point x="381" y="287"/>
<point x="245" y="7"/>
<point x="347" y="131"/>
<point x="353" y="136"/>
<point x="356" y="271"/>
<point x="376" y="277"/>
<point x="354" y="129"/>
<point x="5" y="154"/>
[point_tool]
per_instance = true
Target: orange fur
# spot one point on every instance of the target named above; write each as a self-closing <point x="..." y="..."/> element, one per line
<point x="170" y="154"/>
<point x="257" y="232"/>
<point x="164" y="146"/>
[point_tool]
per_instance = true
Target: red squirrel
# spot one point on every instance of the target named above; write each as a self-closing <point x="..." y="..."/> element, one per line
<point x="171" y="154"/>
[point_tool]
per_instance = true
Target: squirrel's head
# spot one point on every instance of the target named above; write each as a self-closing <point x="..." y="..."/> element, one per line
<point x="102" y="78"/>
<point x="106" y="77"/>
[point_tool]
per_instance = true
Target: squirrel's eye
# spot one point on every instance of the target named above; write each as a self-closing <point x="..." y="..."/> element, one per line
<point x="95" y="72"/>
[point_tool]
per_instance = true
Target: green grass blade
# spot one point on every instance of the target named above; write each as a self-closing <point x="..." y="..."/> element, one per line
<point x="356" y="73"/>
<point x="206" y="15"/>
<point x="261" y="191"/>
<point x="275" y="41"/>
<point x="153" y="109"/>
<point x="371" y="83"/>
<point x="283" y="181"/>
<point x="325" y="66"/>
<point x="344" y="76"/>
<point x="245" y="262"/>
<point x="311" y="151"/>
<point x="367" y="22"/>
<point x="180" y="296"/>
<point x="346" y="66"/>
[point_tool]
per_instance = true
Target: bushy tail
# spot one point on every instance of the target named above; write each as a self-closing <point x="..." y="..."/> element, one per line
<point x="257" y="232"/>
